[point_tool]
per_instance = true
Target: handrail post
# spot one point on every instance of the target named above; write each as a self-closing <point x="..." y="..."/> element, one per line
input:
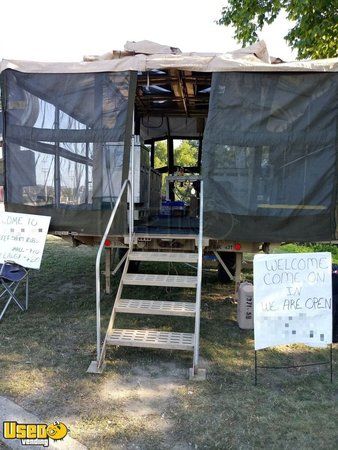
<point x="199" y="281"/>
<point x="98" y="311"/>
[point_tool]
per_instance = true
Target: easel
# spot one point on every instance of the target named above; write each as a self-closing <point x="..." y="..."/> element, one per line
<point x="295" y="366"/>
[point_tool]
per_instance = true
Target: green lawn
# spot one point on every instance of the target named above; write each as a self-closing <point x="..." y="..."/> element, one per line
<point x="306" y="248"/>
<point x="143" y="400"/>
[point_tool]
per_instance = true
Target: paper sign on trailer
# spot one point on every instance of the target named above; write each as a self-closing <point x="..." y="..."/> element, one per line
<point x="22" y="238"/>
<point x="293" y="299"/>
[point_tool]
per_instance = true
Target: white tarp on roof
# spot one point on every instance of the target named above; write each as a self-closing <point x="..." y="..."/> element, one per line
<point x="150" y="48"/>
<point x="250" y="59"/>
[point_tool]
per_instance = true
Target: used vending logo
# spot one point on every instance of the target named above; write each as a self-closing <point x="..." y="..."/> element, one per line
<point x="34" y="433"/>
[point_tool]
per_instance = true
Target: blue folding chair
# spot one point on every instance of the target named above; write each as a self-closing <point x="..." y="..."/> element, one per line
<point x="11" y="276"/>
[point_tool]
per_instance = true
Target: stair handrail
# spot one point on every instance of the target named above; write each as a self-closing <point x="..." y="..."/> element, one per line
<point x="199" y="279"/>
<point x="128" y="184"/>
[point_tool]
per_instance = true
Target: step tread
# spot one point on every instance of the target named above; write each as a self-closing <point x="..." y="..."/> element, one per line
<point x="155" y="307"/>
<point x="159" y="280"/>
<point x="164" y="257"/>
<point x="151" y="339"/>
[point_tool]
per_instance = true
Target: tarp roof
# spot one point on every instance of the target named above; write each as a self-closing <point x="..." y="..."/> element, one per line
<point x="145" y="55"/>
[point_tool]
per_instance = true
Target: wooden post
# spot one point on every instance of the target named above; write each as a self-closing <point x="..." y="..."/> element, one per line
<point x="107" y="270"/>
<point x="238" y="271"/>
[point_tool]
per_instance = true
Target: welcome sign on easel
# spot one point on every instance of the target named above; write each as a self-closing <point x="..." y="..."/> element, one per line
<point x="22" y="238"/>
<point x="293" y="299"/>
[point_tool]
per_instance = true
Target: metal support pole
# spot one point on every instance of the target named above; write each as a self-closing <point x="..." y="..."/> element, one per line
<point x="319" y="363"/>
<point x="255" y="367"/>
<point x="222" y="263"/>
<point x="120" y="263"/>
<point x="199" y="283"/>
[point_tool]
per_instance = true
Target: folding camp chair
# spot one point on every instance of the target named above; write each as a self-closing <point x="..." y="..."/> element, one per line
<point x="11" y="276"/>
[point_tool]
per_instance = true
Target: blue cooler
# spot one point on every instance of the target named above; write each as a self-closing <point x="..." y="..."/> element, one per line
<point x="171" y="208"/>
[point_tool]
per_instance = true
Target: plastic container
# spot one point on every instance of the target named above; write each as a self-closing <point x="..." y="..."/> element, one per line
<point x="171" y="208"/>
<point x="165" y="209"/>
<point x="245" y="306"/>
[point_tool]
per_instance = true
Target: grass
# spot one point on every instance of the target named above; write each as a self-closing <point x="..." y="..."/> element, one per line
<point x="143" y="400"/>
<point x="306" y="248"/>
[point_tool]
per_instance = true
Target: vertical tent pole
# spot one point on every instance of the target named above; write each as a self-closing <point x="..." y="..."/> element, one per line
<point x="171" y="167"/>
<point x="87" y="174"/>
<point x="57" y="186"/>
<point x="199" y="162"/>
<point x="152" y="154"/>
<point x="131" y="203"/>
<point x="199" y="282"/>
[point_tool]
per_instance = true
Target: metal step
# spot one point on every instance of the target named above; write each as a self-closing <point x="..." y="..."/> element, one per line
<point x="164" y="257"/>
<point x="151" y="339"/>
<point x="155" y="307"/>
<point x="142" y="279"/>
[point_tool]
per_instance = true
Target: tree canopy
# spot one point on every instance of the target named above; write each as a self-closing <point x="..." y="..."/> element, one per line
<point x="160" y="157"/>
<point x="315" y="31"/>
<point x="185" y="155"/>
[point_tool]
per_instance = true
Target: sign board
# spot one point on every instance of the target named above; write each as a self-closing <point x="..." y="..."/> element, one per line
<point x="293" y="299"/>
<point x="22" y="238"/>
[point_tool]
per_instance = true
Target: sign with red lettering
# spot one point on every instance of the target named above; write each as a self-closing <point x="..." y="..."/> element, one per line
<point x="22" y="238"/>
<point x="293" y="299"/>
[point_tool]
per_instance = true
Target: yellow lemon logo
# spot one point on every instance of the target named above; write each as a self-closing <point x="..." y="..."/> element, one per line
<point x="57" y="431"/>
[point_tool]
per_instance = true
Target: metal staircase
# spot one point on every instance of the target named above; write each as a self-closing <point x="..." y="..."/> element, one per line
<point x="153" y="338"/>
<point x="150" y="338"/>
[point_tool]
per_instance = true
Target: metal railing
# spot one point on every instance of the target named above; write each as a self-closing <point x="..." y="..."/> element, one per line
<point x="126" y="184"/>
<point x="199" y="280"/>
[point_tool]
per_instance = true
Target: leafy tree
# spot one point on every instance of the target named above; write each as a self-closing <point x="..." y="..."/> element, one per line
<point x="160" y="157"/>
<point x="314" y="35"/>
<point x="186" y="154"/>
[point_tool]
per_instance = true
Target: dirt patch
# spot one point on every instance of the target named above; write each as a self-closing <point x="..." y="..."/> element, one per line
<point x="146" y="392"/>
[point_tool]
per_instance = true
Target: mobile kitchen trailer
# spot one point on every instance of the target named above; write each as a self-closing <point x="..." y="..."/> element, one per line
<point x="78" y="136"/>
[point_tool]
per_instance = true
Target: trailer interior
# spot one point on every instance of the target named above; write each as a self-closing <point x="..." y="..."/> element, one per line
<point x="171" y="106"/>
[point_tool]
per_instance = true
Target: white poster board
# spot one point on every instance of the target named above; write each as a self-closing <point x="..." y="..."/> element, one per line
<point x="22" y="238"/>
<point x="293" y="299"/>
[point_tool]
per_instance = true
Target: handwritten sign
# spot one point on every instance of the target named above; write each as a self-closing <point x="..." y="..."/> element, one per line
<point x="293" y="299"/>
<point x="22" y="238"/>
